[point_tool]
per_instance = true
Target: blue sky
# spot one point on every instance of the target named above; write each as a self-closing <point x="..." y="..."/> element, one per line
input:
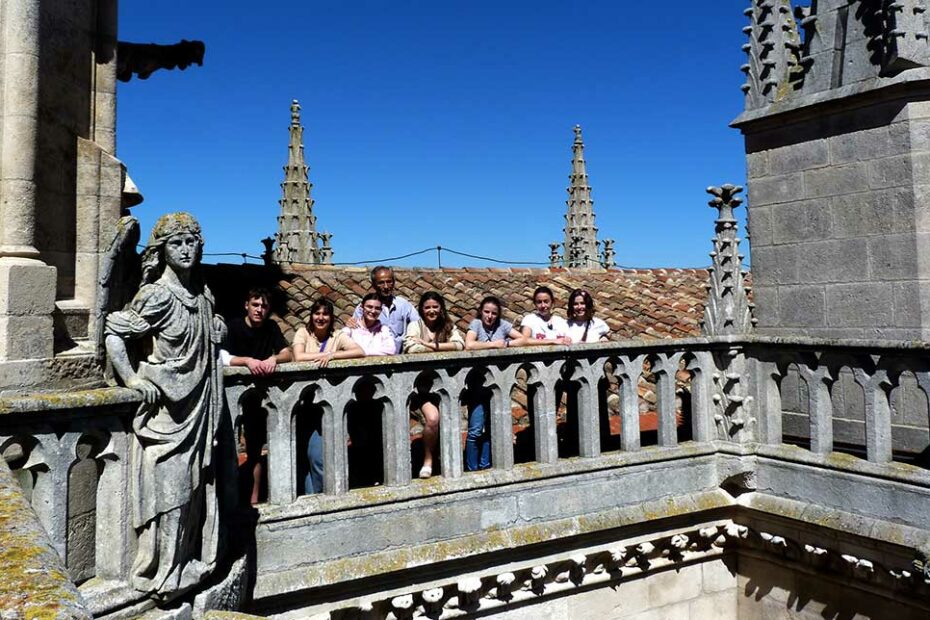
<point x="441" y="122"/>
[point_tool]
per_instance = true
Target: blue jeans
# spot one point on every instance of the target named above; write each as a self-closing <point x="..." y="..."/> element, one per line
<point x="477" y="440"/>
<point x="313" y="483"/>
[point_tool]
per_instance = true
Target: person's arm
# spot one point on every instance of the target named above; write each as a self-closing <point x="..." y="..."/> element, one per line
<point x="472" y="343"/>
<point x="526" y="339"/>
<point x="345" y="349"/>
<point x="413" y="342"/>
<point x="517" y="339"/>
<point x="119" y="358"/>
<point x="256" y="367"/>
<point x="353" y="321"/>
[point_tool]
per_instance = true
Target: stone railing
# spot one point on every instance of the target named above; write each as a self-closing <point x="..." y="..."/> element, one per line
<point x="863" y="397"/>
<point x="384" y="387"/>
<point x="760" y="416"/>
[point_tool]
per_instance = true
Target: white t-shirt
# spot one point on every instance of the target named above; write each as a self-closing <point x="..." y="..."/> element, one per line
<point x="597" y="329"/>
<point x="555" y="327"/>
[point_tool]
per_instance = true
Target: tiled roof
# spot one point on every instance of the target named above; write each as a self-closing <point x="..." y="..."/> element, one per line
<point x="636" y="303"/>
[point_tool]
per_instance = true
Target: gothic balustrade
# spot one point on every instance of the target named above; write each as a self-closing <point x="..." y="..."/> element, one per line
<point x="72" y="453"/>
<point x="868" y="399"/>
<point x="384" y="387"/>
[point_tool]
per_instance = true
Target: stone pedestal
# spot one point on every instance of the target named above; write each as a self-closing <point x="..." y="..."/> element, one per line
<point x="27" y="300"/>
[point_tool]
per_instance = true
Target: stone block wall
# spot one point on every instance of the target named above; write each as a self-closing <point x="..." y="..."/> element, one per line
<point x="769" y="591"/>
<point x="839" y="220"/>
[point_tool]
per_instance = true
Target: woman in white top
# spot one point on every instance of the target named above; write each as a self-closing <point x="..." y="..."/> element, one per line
<point x="583" y="326"/>
<point x="542" y="327"/>
<point x="433" y="332"/>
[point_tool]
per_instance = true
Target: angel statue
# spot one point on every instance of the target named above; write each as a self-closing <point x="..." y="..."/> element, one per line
<point x="164" y="344"/>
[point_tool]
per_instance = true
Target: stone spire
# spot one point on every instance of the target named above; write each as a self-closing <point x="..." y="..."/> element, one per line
<point x="581" y="247"/>
<point x="728" y="310"/>
<point x="297" y="240"/>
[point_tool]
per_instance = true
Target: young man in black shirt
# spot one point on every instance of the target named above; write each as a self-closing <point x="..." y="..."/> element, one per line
<point x="257" y="343"/>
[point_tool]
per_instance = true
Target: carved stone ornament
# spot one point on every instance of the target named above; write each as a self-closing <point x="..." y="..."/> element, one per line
<point x="165" y="345"/>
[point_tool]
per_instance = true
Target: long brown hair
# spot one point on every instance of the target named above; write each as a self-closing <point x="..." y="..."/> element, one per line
<point x="588" y="309"/>
<point x="443" y="328"/>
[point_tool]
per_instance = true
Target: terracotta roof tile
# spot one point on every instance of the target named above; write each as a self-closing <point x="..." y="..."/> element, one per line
<point x="636" y="303"/>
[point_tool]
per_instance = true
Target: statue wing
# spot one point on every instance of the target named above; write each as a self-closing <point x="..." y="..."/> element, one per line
<point x="120" y="276"/>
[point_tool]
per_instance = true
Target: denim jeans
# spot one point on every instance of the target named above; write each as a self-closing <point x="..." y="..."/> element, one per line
<point x="477" y="439"/>
<point x="313" y="483"/>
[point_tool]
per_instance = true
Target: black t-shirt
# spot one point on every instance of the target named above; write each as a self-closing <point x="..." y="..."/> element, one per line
<point x="260" y="343"/>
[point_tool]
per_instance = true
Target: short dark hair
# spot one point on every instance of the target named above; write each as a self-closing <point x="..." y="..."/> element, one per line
<point x="375" y="271"/>
<point x="369" y="297"/>
<point x="543" y="289"/>
<point x="258" y="293"/>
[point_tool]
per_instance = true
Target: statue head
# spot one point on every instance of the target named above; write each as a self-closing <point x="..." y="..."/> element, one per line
<point x="168" y="226"/>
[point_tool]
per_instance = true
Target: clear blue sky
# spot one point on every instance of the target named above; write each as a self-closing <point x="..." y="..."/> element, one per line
<point x="441" y="122"/>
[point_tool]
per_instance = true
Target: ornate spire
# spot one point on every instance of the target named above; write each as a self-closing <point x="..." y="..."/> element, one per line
<point x="728" y="309"/>
<point x="773" y="52"/>
<point x="296" y="240"/>
<point x="581" y="248"/>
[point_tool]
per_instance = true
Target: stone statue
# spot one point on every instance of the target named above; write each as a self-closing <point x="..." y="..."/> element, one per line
<point x="173" y="494"/>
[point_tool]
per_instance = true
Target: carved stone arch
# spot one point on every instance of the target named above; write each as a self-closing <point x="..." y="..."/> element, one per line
<point x="83" y="489"/>
<point x="367" y="418"/>
<point x="426" y="387"/>
<point x="25" y="456"/>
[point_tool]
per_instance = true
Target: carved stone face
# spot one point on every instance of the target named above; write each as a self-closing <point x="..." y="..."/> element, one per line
<point x="181" y="251"/>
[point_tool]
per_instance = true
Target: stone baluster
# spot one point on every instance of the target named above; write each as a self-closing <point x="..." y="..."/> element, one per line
<point x="545" y="404"/>
<point x="113" y="510"/>
<point x="396" y="428"/>
<point x="282" y="443"/>
<point x="588" y="373"/>
<point x="334" y="399"/>
<point x="628" y="371"/>
<point x="820" y="407"/>
<point x="702" y="368"/>
<point x="764" y="377"/>
<point x="450" y="421"/>
<point x="875" y="386"/>
<point x="50" y="494"/>
<point x="501" y="426"/>
<point x="665" y="367"/>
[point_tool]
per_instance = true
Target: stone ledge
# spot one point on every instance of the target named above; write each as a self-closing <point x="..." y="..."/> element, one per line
<point x="42" y="402"/>
<point x="321" y="504"/>
<point x="492" y="540"/>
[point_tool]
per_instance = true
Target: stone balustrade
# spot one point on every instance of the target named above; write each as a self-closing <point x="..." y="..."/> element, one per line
<point x="387" y="385"/>
<point x="786" y="405"/>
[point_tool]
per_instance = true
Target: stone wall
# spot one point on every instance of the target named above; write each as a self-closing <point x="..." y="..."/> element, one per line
<point x="839" y="220"/>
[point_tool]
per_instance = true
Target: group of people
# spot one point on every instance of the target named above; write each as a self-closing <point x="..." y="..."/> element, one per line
<point x="387" y="324"/>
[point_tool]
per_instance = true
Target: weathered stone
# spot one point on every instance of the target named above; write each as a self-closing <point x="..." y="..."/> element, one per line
<point x="803" y="306"/>
<point x="806" y="220"/>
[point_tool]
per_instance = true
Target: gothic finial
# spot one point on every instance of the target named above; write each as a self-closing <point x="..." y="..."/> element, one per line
<point x="296" y="239"/>
<point x="580" y="246"/>
<point x="608" y="259"/>
<point x="268" y="254"/>
<point x="727" y="310"/>
<point x="554" y="258"/>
